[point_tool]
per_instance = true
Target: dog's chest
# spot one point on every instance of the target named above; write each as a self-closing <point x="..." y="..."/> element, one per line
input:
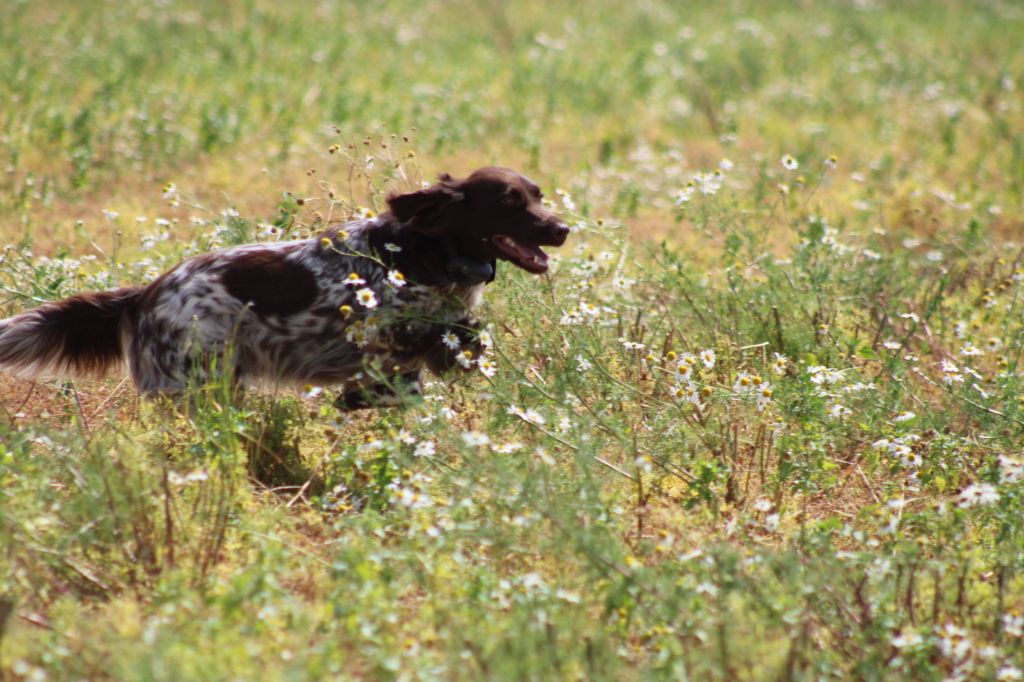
<point x="380" y="317"/>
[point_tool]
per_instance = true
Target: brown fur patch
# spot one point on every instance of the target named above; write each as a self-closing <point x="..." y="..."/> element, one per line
<point x="271" y="283"/>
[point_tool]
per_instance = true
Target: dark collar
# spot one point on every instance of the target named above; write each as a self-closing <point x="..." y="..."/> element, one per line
<point x="465" y="270"/>
<point x="431" y="261"/>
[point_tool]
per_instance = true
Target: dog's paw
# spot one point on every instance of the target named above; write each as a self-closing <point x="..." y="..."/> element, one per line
<point x="398" y="393"/>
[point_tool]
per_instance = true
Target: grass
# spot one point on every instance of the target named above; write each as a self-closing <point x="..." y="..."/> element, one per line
<point x="835" y="494"/>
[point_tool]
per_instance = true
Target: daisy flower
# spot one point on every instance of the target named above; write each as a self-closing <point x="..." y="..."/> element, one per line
<point x="684" y="370"/>
<point x="356" y="334"/>
<point x="687" y="392"/>
<point x="788" y="162"/>
<point x="684" y="195"/>
<point x="978" y="494"/>
<point x="366" y="297"/>
<point x="487" y="367"/>
<point x="744" y="382"/>
<point x="424" y="449"/>
<point x="534" y="417"/>
<point x="838" y="411"/>
<point x="1011" y="470"/>
<point x="908" y="457"/>
<point x="779" y="364"/>
<point x="475" y="439"/>
<point x="954" y="641"/>
<point x="310" y="391"/>
<point x="529" y="415"/>
<point x="1009" y="672"/>
<point x="970" y="350"/>
<point x="907" y="639"/>
<point x="451" y="340"/>
<point x="354" y="279"/>
<point x="396" y="279"/>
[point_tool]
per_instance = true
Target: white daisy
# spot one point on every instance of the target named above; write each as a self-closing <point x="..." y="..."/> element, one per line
<point x="487" y="367"/>
<point x="396" y="279"/>
<point x="978" y="494"/>
<point x="424" y="449"/>
<point x="475" y="439"/>
<point x="779" y="364"/>
<point x="354" y="279"/>
<point x="367" y="298"/>
<point x="451" y="340"/>
<point x="970" y="350"/>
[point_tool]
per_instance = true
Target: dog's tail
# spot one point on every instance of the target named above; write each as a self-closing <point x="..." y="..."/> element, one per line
<point x="84" y="335"/>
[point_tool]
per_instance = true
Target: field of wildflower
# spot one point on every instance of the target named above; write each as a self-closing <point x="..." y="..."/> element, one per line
<point x="764" y="418"/>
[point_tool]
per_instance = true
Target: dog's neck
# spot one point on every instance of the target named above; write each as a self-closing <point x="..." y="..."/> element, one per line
<point x="431" y="261"/>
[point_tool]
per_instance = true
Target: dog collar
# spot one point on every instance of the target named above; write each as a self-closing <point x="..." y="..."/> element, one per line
<point x="469" y="271"/>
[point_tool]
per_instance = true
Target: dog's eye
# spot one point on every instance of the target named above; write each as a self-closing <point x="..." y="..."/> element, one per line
<point x="514" y="199"/>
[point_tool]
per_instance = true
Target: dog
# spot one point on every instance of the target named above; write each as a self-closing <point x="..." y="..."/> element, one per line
<point x="366" y="306"/>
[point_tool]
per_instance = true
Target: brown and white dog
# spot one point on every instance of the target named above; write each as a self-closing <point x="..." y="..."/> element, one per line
<point x="366" y="305"/>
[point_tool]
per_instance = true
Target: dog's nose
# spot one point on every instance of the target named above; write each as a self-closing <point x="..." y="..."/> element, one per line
<point x="561" y="231"/>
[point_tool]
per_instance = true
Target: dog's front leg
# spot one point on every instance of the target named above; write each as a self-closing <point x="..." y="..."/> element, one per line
<point x="402" y="389"/>
<point x="455" y="345"/>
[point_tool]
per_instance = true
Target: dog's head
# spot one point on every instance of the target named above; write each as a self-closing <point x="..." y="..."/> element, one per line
<point x="494" y="213"/>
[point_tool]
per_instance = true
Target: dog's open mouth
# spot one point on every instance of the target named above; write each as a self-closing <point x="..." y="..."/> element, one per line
<point x="529" y="257"/>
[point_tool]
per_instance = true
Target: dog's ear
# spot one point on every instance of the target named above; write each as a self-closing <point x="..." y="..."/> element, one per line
<point x="424" y="211"/>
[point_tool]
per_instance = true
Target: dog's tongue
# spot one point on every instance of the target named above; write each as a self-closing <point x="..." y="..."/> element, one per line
<point x="527" y="256"/>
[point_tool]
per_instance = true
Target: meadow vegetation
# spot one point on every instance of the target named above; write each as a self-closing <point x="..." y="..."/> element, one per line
<point x="764" y="418"/>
